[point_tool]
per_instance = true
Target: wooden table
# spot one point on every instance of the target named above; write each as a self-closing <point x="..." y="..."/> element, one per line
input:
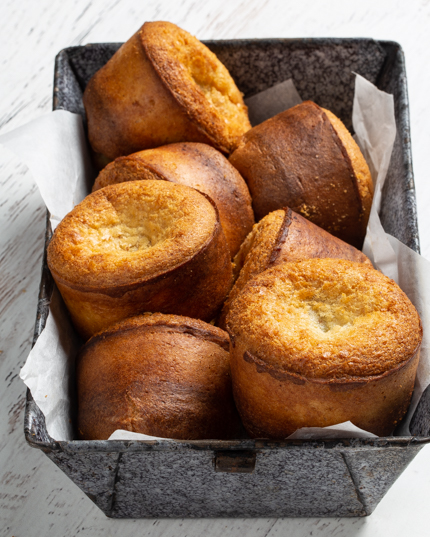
<point x="36" y="499"/>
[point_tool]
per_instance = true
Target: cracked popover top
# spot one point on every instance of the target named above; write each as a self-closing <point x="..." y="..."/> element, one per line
<point x="325" y="319"/>
<point x="130" y="232"/>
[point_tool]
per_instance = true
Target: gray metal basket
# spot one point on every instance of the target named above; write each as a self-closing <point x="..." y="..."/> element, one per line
<point x="252" y="478"/>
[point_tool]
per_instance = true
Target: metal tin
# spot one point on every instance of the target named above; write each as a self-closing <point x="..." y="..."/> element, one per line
<point x="252" y="478"/>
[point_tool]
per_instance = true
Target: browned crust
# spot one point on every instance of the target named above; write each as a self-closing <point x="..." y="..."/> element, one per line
<point x="160" y="375"/>
<point x="359" y="165"/>
<point x="297" y="159"/>
<point x="336" y="384"/>
<point x="307" y="241"/>
<point x="73" y="247"/>
<point x="360" y="173"/>
<point x="281" y="237"/>
<point x="284" y="236"/>
<point x="129" y="168"/>
<point x="160" y="321"/>
<point x="289" y="374"/>
<point x="254" y="255"/>
<point x="196" y="165"/>
<point x="129" y="109"/>
<point x="143" y="97"/>
<point x="329" y="318"/>
<point x="118" y="290"/>
<point x="195" y="286"/>
<point x="159" y="40"/>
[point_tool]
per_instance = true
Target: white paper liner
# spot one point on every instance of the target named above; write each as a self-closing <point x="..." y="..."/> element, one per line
<point x="121" y="434"/>
<point x="49" y="370"/>
<point x="341" y="430"/>
<point x="414" y="279"/>
<point x="376" y="141"/>
<point x="54" y="148"/>
<point x="272" y="101"/>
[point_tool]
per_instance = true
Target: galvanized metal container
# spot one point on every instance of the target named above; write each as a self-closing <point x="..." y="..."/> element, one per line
<point x="252" y="478"/>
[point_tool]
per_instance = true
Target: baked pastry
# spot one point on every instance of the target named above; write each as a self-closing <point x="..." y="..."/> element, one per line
<point x="199" y="166"/>
<point x="163" y="86"/>
<point x="305" y="158"/>
<point x="161" y="375"/>
<point x="284" y="236"/>
<point x="320" y="342"/>
<point x="140" y="246"/>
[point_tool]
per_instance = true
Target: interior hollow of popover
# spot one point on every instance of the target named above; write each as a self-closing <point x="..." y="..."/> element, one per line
<point x="131" y="231"/>
<point x="326" y="318"/>
<point x="327" y="308"/>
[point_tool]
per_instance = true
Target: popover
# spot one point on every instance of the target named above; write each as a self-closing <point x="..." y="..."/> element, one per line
<point x="140" y="246"/>
<point x="163" y="86"/>
<point x="199" y="166"/>
<point x="161" y="375"/>
<point x="320" y="342"/>
<point x="284" y="236"/>
<point x="305" y="159"/>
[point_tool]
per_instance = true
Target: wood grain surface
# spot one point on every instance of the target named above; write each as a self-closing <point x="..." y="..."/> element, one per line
<point x="36" y="499"/>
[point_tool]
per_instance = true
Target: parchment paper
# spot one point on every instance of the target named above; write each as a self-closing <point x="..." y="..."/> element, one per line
<point x="54" y="148"/>
<point x="272" y="101"/>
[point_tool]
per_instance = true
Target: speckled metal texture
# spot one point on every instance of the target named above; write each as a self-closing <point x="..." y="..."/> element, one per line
<point x="131" y="479"/>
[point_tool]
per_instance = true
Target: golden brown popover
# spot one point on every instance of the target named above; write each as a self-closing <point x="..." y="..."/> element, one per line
<point x="162" y="86"/>
<point x="161" y="375"/>
<point x="305" y="158"/>
<point x="284" y="236"/>
<point x="320" y="342"/>
<point x="199" y="166"/>
<point x="140" y="246"/>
